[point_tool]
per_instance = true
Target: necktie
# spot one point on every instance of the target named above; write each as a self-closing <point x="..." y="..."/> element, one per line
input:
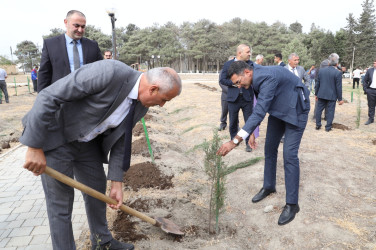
<point x="293" y="71"/>
<point x="76" y="57"/>
<point x="128" y="136"/>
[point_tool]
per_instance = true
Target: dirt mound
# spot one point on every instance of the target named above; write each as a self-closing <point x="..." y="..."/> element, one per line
<point x="140" y="147"/>
<point x="146" y="175"/>
<point x="206" y="87"/>
<point x="340" y="126"/>
<point x="125" y="229"/>
<point x="139" y="129"/>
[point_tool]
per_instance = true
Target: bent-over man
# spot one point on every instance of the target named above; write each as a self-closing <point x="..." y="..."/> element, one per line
<point x="74" y="124"/>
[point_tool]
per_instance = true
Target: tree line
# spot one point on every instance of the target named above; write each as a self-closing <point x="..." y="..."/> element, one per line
<point x="204" y="46"/>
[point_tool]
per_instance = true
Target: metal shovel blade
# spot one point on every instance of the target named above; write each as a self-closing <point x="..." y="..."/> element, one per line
<point x="168" y="226"/>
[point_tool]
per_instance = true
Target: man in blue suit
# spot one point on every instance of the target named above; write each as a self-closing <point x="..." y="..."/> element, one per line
<point x="238" y="98"/>
<point x="328" y="89"/>
<point x="286" y="99"/>
<point x="369" y="87"/>
<point x="278" y="60"/>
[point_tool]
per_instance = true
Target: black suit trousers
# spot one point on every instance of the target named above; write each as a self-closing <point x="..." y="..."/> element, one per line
<point x="233" y="110"/>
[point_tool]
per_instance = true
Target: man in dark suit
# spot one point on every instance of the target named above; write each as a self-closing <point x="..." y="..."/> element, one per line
<point x="328" y="89"/>
<point x="238" y="98"/>
<point x="60" y="53"/>
<point x="286" y="99"/>
<point x="278" y="60"/>
<point x="75" y="123"/>
<point x="369" y="87"/>
<point x="224" y="104"/>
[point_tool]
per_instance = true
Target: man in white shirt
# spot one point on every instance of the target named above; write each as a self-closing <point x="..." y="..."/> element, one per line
<point x="356" y="77"/>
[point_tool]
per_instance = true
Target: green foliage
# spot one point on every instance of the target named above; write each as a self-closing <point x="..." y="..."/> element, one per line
<point x="217" y="171"/>
<point x="27" y="54"/>
<point x="204" y="46"/>
<point x="5" y="61"/>
<point x="54" y="32"/>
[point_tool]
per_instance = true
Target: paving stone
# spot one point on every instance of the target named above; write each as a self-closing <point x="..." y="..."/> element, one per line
<point x="40" y="230"/>
<point x="4" y="242"/>
<point x="12" y="217"/>
<point x="39" y="239"/>
<point x="21" y="231"/>
<point x="5" y="233"/>
<point x="19" y="241"/>
<point x="5" y="211"/>
<point x="28" y="215"/>
<point x="33" y="222"/>
<point x="22" y="209"/>
<point x="7" y="194"/>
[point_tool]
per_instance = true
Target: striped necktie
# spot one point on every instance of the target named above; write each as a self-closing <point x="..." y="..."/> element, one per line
<point x="76" y="56"/>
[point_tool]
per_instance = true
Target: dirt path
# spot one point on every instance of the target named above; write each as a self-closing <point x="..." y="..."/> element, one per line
<point x="337" y="187"/>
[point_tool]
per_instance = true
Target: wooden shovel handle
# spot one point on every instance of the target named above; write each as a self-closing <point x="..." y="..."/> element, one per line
<point x="94" y="193"/>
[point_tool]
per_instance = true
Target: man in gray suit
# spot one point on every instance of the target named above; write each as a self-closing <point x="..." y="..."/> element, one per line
<point x="293" y="66"/>
<point x="328" y="89"/>
<point x="75" y="123"/>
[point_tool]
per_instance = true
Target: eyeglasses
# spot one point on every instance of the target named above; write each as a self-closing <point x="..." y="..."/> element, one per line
<point x="236" y="84"/>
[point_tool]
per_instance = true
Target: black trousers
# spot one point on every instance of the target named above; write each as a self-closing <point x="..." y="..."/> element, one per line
<point x="371" y="98"/>
<point x="233" y="110"/>
<point x="224" y="113"/>
<point x="355" y="80"/>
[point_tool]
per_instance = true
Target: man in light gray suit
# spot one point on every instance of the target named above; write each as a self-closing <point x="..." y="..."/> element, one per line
<point x="75" y="123"/>
<point x="293" y="66"/>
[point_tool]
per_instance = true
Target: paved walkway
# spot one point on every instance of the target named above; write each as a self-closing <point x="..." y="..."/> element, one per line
<point x="23" y="216"/>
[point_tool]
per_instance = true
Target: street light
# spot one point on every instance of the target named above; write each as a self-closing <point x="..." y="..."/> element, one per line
<point x="111" y="13"/>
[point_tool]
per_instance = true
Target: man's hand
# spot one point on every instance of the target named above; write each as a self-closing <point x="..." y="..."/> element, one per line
<point x="35" y="161"/>
<point x="316" y="98"/>
<point x="252" y="141"/>
<point x="116" y="193"/>
<point x="226" y="148"/>
<point x="341" y="102"/>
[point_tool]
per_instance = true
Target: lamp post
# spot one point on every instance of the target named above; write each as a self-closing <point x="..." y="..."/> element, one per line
<point x="111" y="13"/>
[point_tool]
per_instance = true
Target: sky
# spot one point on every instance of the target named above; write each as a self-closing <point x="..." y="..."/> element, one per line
<point x="29" y="20"/>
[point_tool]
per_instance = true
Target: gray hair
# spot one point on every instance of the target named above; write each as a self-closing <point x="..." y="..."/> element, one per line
<point x="293" y="55"/>
<point x="259" y="56"/>
<point x="166" y="78"/>
<point x="71" y="12"/>
<point x="333" y="59"/>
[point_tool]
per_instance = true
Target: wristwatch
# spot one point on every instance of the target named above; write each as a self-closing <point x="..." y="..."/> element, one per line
<point x="236" y="141"/>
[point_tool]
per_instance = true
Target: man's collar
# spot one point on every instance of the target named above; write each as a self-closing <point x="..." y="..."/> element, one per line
<point x="69" y="39"/>
<point x="134" y="92"/>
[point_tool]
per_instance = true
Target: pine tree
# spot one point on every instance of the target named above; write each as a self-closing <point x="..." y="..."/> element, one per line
<point x="365" y="48"/>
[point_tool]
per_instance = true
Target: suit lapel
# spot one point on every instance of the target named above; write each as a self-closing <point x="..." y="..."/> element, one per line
<point x="63" y="44"/>
<point x="84" y="49"/>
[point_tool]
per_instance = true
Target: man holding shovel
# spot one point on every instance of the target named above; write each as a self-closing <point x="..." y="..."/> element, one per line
<point x="72" y="127"/>
<point x="286" y="99"/>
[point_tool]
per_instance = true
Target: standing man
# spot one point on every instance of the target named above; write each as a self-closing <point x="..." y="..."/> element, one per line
<point x="312" y="76"/>
<point x="259" y="59"/>
<point x="107" y="54"/>
<point x="278" y="60"/>
<point x="356" y="77"/>
<point x="65" y="53"/>
<point x="293" y="66"/>
<point x="72" y="127"/>
<point x="3" y="85"/>
<point x="369" y="88"/>
<point x="224" y="103"/>
<point x="238" y="98"/>
<point x="328" y="89"/>
<point x="286" y="100"/>
<point x="34" y="77"/>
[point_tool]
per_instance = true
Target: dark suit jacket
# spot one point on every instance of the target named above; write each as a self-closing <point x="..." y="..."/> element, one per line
<point x="282" y="64"/>
<point x="54" y="63"/>
<point x="368" y="79"/>
<point x="73" y="106"/>
<point x="329" y="84"/>
<point x="233" y="92"/>
<point x="281" y="94"/>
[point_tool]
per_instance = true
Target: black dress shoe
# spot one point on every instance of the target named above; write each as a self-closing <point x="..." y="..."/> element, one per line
<point x="288" y="214"/>
<point x="248" y="148"/>
<point x="221" y="127"/>
<point x="368" y="122"/>
<point x="113" y="245"/>
<point x="318" y="127"/>
<point x="262" y="194"/>
<point x="328" y="129"/>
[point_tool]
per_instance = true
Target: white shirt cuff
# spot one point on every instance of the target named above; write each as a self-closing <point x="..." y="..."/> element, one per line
<point x="243" y="134"/>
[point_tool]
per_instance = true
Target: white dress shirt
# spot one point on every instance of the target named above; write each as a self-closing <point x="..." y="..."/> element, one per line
<point x="116" y="117"/>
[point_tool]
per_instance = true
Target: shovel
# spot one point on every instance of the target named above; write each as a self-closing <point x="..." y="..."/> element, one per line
<point x="165" y="224"/>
